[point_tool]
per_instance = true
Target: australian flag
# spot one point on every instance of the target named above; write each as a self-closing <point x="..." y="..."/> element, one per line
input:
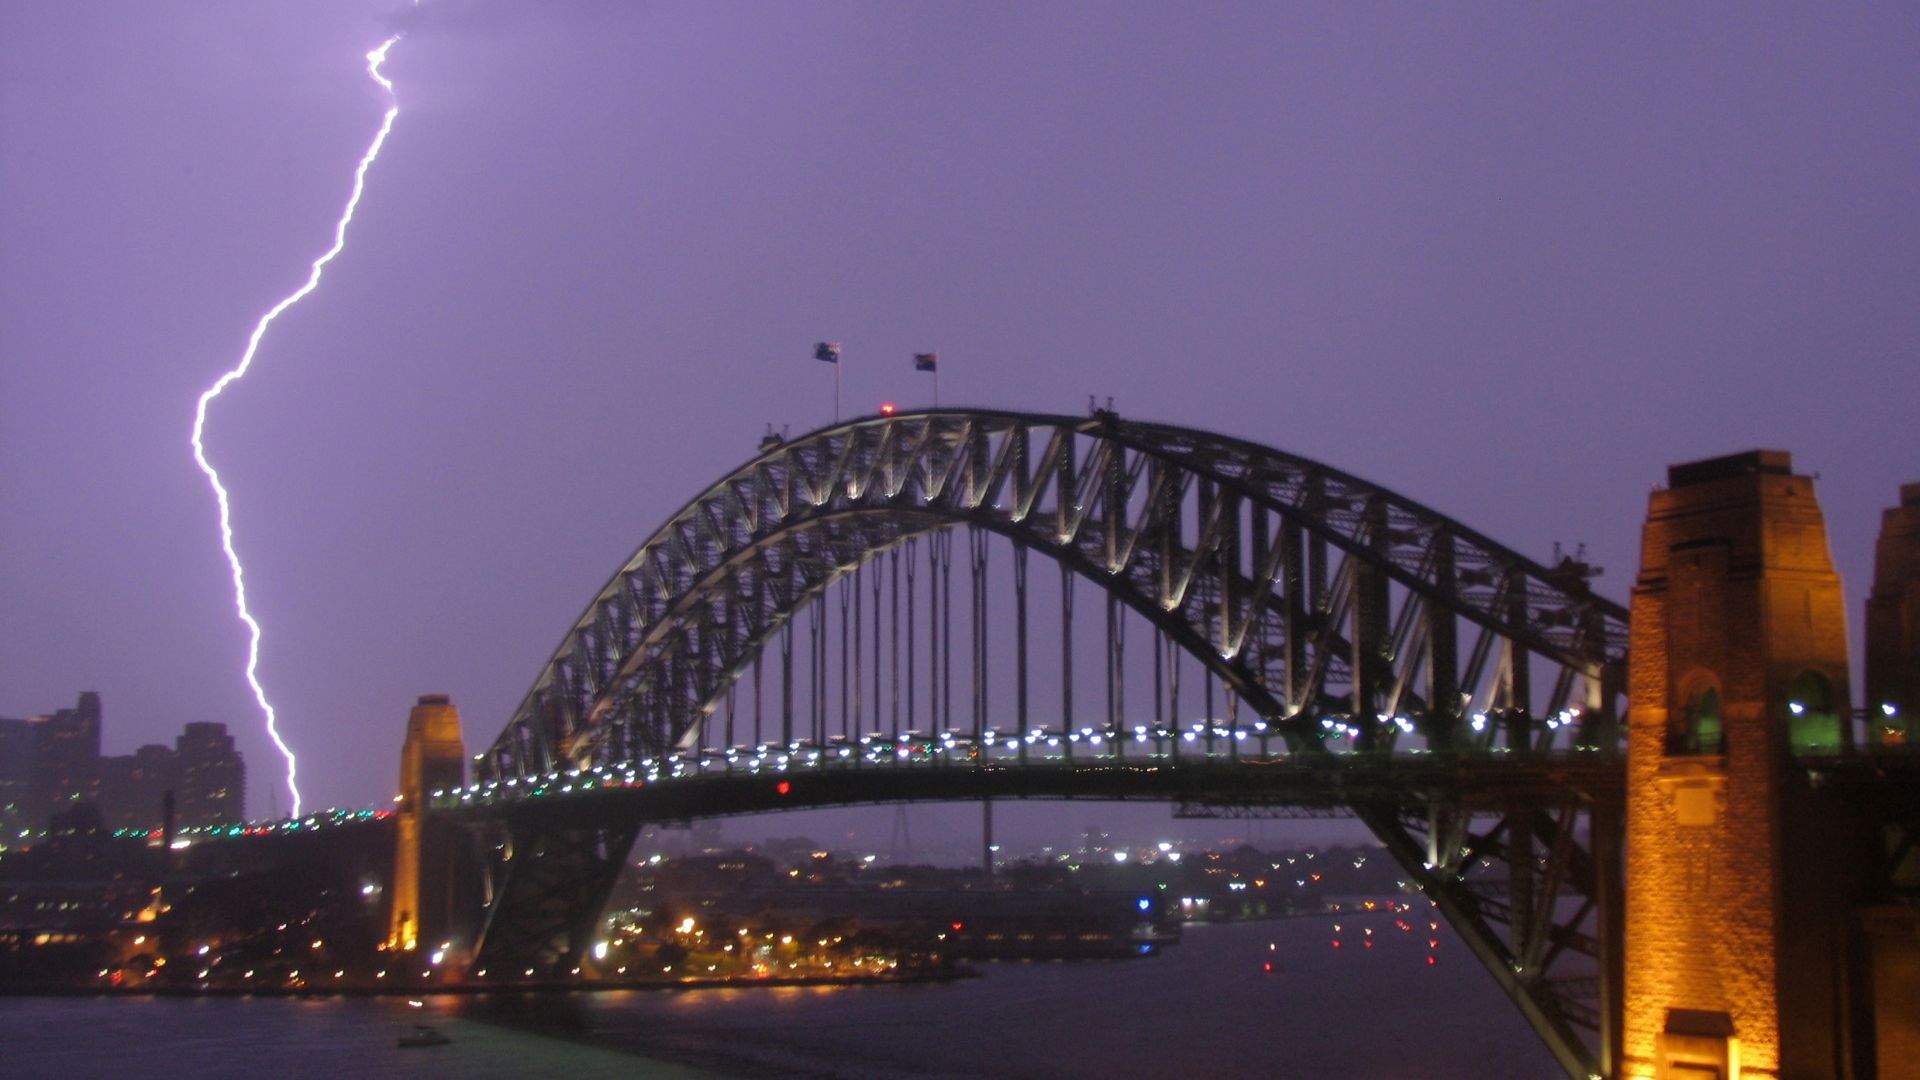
<point x="828" y="351"/>
<point x="926" y="361"/>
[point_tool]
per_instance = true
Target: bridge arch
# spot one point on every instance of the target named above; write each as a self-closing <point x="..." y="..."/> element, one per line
<point x="1351" y="621"/>
<point x="1222" y="544"/>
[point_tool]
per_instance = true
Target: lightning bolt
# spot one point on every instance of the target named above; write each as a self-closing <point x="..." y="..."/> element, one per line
<point x="239" y="370"/>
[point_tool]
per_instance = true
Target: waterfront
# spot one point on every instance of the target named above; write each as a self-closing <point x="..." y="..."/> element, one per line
<point x="1202" y="1008"/>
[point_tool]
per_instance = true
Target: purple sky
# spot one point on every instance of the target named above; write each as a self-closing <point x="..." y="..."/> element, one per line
<point x="1510" y="261"/>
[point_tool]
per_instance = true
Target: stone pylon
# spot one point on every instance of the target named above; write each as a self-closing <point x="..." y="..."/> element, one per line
<point x="433" y="757"/>
<point x="1738" y="665"/>
<point x="1893" y="624"/>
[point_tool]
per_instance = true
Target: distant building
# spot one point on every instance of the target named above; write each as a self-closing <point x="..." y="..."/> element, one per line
<point x="50" y="765"/>
<point x="133" y="788"/>
<point x="67" y="750"/>
<point x="212" y="784"/>
<point x="17" y="796"/>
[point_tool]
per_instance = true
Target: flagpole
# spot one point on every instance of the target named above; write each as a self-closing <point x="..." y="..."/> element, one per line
<point x="829" y="352"/>
<point x="930" y="363"/>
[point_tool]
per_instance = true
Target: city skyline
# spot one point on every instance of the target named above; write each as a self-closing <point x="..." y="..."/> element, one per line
<point x="54" y="763"/>
<point x="415" y="433"/>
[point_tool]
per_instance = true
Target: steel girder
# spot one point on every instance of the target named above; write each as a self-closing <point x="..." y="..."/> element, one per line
<point x="550" y="882"/>
<point x="1221" y="543"/>
<point x="1310" y="593"/>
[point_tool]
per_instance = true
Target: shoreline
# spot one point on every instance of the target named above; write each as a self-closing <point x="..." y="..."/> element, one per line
<point x="473" y="988"/>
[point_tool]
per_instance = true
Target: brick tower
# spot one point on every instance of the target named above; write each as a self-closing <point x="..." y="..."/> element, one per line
<point x="434" y="756"/>
<point x="1893" y="700"/>
<point x="1738" y="664"/>
<point x="1893" y="624"/>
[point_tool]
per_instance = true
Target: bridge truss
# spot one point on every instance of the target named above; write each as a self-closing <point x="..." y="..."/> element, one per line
<point x="1281" y="615"/>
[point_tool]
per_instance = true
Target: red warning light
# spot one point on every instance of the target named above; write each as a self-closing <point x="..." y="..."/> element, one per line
<point x="783" y="787"/>
<point x="1267" y="967"/>
<point x="959" y="926"/>
<point x="1432" y="961"/>
<point x="886" y="408"/>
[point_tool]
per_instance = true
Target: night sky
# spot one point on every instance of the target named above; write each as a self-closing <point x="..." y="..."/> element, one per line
<point x="1508" y="260"/>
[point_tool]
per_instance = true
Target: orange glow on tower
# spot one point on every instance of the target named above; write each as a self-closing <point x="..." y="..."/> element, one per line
<point x="1738" y="662"/>
<point x="433" y="757"/>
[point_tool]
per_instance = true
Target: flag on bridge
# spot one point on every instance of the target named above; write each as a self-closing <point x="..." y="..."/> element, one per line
<point x="926" y="361"/>
<point x="829" y="351"/>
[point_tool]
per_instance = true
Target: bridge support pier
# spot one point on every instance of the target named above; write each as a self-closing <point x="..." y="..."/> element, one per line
<point x="424" y="900"/>
<point x="1736" y="870"/>
<point x="551" y="881"/>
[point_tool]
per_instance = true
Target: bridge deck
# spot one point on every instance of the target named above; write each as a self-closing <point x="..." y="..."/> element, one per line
<point x="1320" y="781"/>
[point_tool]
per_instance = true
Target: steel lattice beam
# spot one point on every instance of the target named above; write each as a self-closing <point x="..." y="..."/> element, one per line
<point x="1307" y="593"/>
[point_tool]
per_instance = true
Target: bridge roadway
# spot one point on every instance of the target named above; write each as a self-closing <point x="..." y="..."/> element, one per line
<point x="1234" y="772"/>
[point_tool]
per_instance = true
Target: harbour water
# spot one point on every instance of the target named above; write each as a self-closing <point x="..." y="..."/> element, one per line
<point x="1205" y="1008"/>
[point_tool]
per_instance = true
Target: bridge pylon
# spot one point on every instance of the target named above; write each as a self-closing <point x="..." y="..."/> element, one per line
<point x="1893" y="715"/>
<point x="1736" y="868"/>
<point x="1893" y="624"/>
<point x="423" y="904"/>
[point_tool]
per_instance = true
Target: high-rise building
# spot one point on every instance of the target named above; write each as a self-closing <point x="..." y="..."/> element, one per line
<point x="133" y="788"/>
<point x="18" y="799"/>
<point x="51" y="764"/>
<point x="212" y="784"/>
<point x="67" y="756"/>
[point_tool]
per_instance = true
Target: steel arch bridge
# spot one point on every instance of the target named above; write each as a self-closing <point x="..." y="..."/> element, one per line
<point x="1372" y="655"/>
